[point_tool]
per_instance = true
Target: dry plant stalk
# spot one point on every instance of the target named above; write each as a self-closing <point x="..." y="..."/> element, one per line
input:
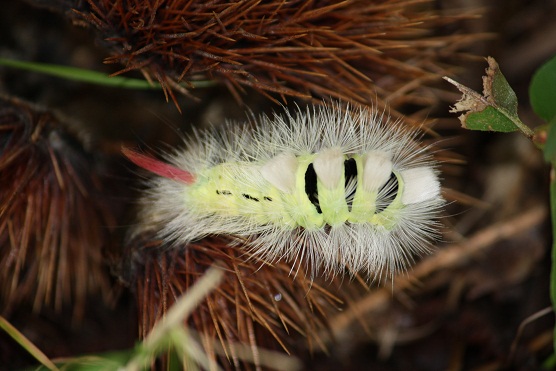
<point x="446" y="259"/>
<point x="52" y="224"/>
<point x="357" y="51"/>
<point x="256" y="304"/>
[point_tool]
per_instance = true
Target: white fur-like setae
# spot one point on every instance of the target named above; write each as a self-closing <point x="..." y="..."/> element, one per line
<point x="339" y="190"/>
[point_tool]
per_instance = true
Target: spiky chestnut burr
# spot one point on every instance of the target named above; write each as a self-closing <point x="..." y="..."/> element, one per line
<point x="358" y="51"/>
<point x="256" y="304"/>
<point x="53" y="221"/>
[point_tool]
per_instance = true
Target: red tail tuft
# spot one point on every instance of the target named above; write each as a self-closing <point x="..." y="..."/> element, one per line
<point x="158" y="167"/>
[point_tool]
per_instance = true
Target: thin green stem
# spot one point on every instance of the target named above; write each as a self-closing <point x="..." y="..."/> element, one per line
<point x="553" y="267"/>
<point x="526" y="130"/>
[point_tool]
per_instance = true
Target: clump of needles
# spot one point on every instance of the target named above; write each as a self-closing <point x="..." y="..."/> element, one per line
<point x="256" y="304"/>
<point x="357" y="51"/>
<point x="53" y="224"/>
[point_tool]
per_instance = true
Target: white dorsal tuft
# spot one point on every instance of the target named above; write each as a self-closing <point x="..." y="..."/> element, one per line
<point x="280" y="171"/>
<point x="420" y="184"/>
<point x="377" y="168"/>
<point x="329" y="167"/>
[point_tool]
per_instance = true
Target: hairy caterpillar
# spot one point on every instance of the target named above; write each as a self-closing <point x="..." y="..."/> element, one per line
<point x="330" y="187"/>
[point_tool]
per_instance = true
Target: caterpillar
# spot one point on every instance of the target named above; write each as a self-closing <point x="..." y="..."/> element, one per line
<point x="337" y="189"/>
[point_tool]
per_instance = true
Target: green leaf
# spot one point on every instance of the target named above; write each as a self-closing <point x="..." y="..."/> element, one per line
<point x="542" y="91"/>
<point x="550" y="362"/>
<point x="549" y="149"/>
<point x="495" y="109"/>
<point x="489" y="119"/>
<point x="497" y="90"/>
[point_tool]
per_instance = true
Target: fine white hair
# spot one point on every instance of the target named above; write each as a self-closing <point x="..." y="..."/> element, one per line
<point x="390" y="157"/>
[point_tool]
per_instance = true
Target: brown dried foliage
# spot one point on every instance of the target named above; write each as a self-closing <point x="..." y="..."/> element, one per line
<point x="358" y="51"/>
<point x="52" y="228"/>
<point x="256" y="304"/>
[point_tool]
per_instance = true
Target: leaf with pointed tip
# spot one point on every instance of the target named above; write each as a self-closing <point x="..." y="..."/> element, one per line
<point x="497" y="90"/>
<point x="495" y="109"/>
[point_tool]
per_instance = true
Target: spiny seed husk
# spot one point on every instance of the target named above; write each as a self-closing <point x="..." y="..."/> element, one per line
<point x="53" y="221"/>
<point x="256" y="304"/>
<point x="357" y="51"/>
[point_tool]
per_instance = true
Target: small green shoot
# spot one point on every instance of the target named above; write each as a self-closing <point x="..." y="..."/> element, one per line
<point x="496" y="110"/>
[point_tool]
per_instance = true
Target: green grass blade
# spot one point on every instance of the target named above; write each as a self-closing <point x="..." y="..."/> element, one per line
<point x="79" y="74"/>
<point x="26" y="344"/>
<point x="88" y="76"/>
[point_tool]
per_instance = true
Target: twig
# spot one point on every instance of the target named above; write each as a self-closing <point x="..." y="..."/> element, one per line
<point x="444" y="259"/>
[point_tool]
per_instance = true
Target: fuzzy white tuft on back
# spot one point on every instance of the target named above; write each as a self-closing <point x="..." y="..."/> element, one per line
<point x="280" y="171"/>
<point x="377" y="168"/>
<point x="421" y="184"/>
<point x="329" y="166"/>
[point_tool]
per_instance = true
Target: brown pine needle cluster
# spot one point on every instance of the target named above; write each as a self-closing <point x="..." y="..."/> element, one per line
<point x="256" y="304"/>
<point x="52" y="228"/>
<point x="356" y="50"/>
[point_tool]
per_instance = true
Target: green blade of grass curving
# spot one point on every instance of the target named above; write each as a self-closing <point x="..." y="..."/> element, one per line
<point x="89" y="76"/>
<point x="26" y="344"/>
